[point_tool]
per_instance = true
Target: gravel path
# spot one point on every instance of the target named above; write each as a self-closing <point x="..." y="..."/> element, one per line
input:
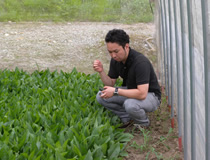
<point x="61" y="46"/>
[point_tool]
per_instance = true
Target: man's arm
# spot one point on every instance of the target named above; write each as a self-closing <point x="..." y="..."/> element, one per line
<point x="139" y="93"/>
<point x="98" y="67"/>
<point x="107" y="81"/>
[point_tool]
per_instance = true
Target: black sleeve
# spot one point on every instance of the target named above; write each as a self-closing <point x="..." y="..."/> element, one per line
<point x="142" y="71"/>
<point x="113" y="72"/>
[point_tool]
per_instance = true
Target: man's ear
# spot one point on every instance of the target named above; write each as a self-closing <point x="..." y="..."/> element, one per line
<point x="127" y="46"/>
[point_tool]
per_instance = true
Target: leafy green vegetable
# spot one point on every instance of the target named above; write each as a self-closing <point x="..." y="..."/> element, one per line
<point x="54" y="115"/>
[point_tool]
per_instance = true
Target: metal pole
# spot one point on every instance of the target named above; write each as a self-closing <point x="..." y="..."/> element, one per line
<point x="171" y="67"/>
<point x="206" y="39"/>
<point x="184" y="79"/>
<point x="178" y="78"/>
<point x="164" y="44"/>
<point x="192" y="80"/>
<point x="160" y="44"/>
<point x="167" y="57"/>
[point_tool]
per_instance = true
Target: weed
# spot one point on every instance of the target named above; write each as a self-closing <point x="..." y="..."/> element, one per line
<point x="152" y="151"/>
<point x="147" y="137"/>
<point x="145" y="145"/>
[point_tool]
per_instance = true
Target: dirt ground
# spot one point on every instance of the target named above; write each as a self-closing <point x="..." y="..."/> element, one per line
<point x="158" y="141"/>
<point x="63" y="46"/>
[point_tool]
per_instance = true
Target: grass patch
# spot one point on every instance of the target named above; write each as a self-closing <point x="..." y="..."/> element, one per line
<point x="76" y="10"/>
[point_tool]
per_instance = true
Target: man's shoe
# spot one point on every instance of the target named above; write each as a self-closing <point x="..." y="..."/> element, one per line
<point x="126" y="124"/>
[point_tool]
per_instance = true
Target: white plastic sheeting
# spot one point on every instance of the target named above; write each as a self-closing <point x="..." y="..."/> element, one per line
<point x="184" y="31"/>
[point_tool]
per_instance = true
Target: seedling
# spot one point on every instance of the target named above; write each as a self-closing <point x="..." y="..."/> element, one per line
<point x="148" y="147"/>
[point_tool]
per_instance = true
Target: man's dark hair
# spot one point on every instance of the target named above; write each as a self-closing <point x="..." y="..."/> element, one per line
<point x="118" y="36"/>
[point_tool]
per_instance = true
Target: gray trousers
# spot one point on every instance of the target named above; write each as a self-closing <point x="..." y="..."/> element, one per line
<point x="128" y="108"/>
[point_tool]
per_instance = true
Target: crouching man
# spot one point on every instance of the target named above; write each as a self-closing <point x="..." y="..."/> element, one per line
<point x="140" y="91"/>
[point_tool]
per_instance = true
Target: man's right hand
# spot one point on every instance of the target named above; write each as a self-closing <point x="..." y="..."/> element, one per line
<point x="97" y="66"/>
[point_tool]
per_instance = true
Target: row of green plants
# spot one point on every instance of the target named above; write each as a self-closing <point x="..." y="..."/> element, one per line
<point x="54" y="115"/>
<point x="124" y="11"/>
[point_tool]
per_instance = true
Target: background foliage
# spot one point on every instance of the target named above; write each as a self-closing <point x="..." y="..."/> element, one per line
<point x="124" y="11"/>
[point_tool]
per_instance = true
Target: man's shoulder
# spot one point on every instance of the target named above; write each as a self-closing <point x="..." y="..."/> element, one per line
<point x="140" y="58"/>
<point x="133" y="51"/>
<point x="138" y="54"/>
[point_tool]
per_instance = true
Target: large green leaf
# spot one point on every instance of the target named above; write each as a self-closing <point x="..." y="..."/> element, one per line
<point x="114" y="151"/>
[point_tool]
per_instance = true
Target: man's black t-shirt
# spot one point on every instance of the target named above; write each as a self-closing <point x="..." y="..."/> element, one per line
<point x="136" y="71"/>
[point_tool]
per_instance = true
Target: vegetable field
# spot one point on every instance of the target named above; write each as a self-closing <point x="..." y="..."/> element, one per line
<point x="54" y="115"/>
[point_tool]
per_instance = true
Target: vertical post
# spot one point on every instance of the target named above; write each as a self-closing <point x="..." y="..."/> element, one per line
<point x="167" y="57"/>
<point x="178" y="77"/>
<point x="171" y="67"/>
<point x="192" y="79"/>
<point x="164" y="42"/>
<point x="184" y="78"/>
<point x="161" y="46"/>
<point x="206" y="40"/>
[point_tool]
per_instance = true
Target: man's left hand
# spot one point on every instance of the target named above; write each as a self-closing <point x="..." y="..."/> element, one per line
<point x="108" y="92"/>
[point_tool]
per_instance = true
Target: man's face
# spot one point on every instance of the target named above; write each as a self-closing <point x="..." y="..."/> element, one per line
<point x="117" y="52"/>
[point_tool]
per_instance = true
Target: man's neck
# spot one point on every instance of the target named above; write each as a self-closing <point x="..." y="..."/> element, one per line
<point x="126" y="55"/>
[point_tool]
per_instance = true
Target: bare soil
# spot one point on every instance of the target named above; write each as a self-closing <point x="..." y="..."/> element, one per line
<point x="159" y="140"/>
<point x="63" y="46"/>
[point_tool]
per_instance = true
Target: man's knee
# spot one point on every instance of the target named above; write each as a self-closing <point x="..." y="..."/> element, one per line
<point x="130" y="106"/>
<point x="98" y="98"/>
